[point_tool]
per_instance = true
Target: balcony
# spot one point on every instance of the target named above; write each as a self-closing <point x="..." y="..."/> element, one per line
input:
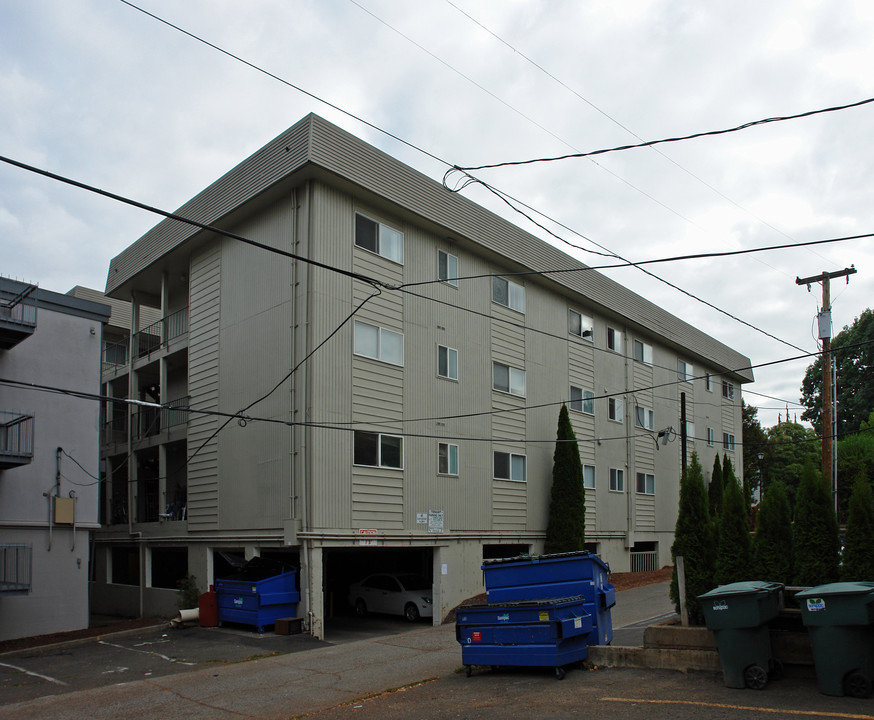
<point x="159" y="334"/>
<point x="16" y="439"/>
<point x="149" y="422"/>
<point x="114" y="357"/>
<point x="15" y="565"/>
<point x="17" y="319"/>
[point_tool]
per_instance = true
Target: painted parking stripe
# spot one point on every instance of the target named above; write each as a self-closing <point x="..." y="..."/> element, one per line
<point x="147" y="652"/>
<point x="34" y="674"/>
<point x="726" y="706"/>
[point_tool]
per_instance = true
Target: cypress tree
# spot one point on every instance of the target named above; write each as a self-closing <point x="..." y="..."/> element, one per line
<point x="714" y="491"/>
<point x="733" y="548"/>
<point x="693" y="540"/>
<point x="773" y="556"/>
<point x="566" y="530"/>
<point x="858" y="556"/>
<point x="816" y="531"/>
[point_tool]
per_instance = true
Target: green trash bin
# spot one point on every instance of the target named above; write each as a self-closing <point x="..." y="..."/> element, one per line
<point x="840" y="620"/>
<point x="738" y="614"/>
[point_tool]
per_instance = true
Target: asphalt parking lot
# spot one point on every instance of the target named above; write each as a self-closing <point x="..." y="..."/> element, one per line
<point x="160" y="651"/>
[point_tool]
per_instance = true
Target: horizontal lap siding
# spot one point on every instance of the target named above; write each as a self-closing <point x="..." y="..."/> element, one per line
<point x="509" y="505"/>
<point x="203" y="385"/>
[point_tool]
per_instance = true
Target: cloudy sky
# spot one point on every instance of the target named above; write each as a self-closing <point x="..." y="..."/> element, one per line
<point x="100" y="92"/>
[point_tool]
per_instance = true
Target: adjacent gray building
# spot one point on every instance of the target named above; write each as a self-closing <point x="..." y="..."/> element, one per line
<point x="50" y="348"/>
<point x="396" y="371"/>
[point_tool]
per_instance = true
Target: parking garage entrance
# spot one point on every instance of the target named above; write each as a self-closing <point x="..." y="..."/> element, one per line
<point x="344" y="566"/>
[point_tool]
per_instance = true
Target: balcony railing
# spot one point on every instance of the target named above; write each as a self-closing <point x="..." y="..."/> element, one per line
<point x="16" y="561"/>
<point x="16" y="439"/>
<point x="115" y="429"/>
<point x="149" y="421"/>
<point x="158" y="334"/>
<point x="17" y="318"/>
<point x="114" y="356"/>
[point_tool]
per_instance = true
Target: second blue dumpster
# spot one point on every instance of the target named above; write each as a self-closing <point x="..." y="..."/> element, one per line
<point x="559" y="575"/>
<point x="550" y="633"/>
<point x="259" y="594"/>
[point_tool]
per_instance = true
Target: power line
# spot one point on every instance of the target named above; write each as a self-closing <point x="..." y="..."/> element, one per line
<point x="497" y="193"/>
<point x="650" y="143"/>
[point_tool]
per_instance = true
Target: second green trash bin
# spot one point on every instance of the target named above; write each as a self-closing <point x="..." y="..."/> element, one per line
<point x="840" y="620"/>
<point x="738" y="614"/>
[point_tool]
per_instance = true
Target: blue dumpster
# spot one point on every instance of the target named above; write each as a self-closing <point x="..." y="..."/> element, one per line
<point x="260" y="594"/>
<point x="559" y="575"/>
<point x="550" y="633"/>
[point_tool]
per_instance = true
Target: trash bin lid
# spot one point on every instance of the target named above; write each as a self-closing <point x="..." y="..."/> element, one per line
<point x="838" y="588"/>
<point x="749" y="587"/>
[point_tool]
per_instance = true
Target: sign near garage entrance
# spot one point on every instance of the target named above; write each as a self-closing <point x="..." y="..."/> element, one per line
<point x="368" y="536"/>
<point x="435" y="521"/>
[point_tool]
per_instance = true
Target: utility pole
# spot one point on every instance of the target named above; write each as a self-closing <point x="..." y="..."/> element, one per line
<point x="825" y="324"/>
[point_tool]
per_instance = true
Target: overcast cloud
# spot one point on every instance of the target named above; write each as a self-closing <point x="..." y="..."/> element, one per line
<point x="97" y="91"/>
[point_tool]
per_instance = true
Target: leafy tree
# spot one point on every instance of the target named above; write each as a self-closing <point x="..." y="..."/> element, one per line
<point x="566" y="530"/>
<point x="755" y="441"/>
<point x="855" y="457"/>
<point x="733" y="548"/>
<point x="772" y="553"/>
<point x="815" y="535"/>
<point x="858" y="556"/>
<point x="714" y="490"/>
<point x="693" y="540"/>
<point x="853" y="351"/>
<point x="790" y="447"/>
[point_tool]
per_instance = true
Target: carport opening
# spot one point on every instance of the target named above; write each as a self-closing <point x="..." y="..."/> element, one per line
<point x="497" y="552"/>
<point x="345" y="566"/>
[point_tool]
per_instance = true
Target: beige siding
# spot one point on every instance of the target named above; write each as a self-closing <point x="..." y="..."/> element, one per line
<point x="510" y="503"/>
<point x="203" y="358"/>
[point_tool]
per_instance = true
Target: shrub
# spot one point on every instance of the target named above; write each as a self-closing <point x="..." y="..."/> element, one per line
<point x="733" y="548"/>
<point x="773" y="556"/>
<point x="858" y="555"/>
<point x="816" y="531"/>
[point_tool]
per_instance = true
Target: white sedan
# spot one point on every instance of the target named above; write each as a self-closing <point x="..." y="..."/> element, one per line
<point x="406" y="594"/>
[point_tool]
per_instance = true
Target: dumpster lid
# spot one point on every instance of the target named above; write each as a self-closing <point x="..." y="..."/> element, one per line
<point x="548" y="557"/>
<point x="749" y="587"/>
<point x="838" y="588"/>
<point x="543" y="602"/>
<point x="259" y="568"/>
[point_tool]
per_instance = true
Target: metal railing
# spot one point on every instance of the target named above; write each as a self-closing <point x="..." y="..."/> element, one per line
<point x="149" y="421"/>
<point x="646" y="561"/>
<point x="16" y="561"/>
<point x="16" y="434"/>
<point x="153" y="337"/>
<point x="114" y="356"/>
<point x="115" y="428"/>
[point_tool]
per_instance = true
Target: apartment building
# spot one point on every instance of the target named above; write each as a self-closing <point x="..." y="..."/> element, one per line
<point x="50" y="347"/>
<point x="354" y="369"/>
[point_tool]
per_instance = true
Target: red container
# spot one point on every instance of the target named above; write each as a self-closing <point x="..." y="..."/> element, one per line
<point x="208" y="606"/>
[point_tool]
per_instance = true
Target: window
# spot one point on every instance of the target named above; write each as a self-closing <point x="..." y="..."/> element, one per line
<point x="708" y="382"/>
<point x="690" y="430"/>
<point x="447" y="362"/>
<point x="447" y="268"/>
<point x="378" y="450"/>
<point x="589" y="477"/>
<point x="581" y="325"/>
<point x="644" y="417"/>
<point x="642" y="352"/>
<point x="614" y="409"/>
<point x="447" y="459"/>
<point x="509" y="466"/>
<point x="646" y="483"/>
<point x="582" y="400"/>
<point x="711" y="437"/>
<point x="617" y="480"/>
<point x="378" y="343"/>
<point x="727" y="390"/>
<point x="685" y="371"/>
<point x="614" y="340"/>
<point x="508" y="379"/>
<point x="507" y="293"/>
<point x="728" y="441"/>
<point x="379" y="238"/>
